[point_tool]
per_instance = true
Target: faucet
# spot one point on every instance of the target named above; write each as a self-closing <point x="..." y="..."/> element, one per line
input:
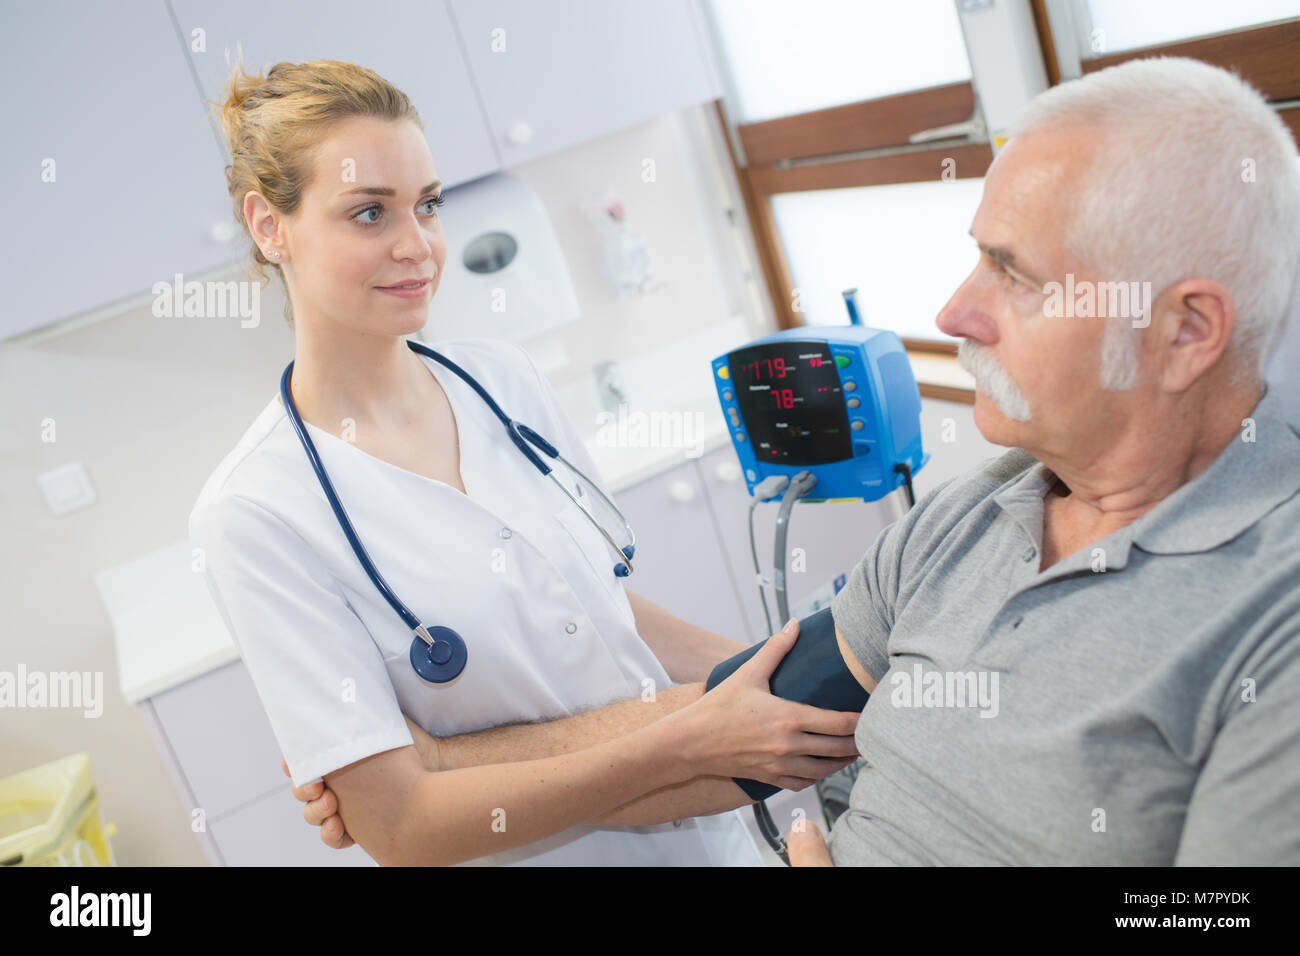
<point x="609" y="382"/>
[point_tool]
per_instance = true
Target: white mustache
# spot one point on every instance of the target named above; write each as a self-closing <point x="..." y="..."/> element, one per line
<point x="993" y="380"/>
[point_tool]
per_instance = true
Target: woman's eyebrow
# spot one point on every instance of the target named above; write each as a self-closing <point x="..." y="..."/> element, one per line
<point x="386" y="191"/>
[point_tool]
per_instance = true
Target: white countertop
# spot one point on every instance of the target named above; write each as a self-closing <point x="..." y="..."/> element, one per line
<point x="165" y="626"/>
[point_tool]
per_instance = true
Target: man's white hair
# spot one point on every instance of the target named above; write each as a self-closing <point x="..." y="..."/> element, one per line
<point x="1199" y="177"/>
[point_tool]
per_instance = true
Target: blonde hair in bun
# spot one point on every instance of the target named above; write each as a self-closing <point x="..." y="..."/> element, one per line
<point x="272" y="125"/>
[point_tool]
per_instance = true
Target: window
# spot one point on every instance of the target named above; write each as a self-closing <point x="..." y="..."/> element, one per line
<point x="905" y="247"/>
<point x="786" y="58"/>
<point x="1118" y="25"/>
<point x="861" y="155"/>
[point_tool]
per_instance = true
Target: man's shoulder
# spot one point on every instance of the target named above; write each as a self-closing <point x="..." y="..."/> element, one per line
<point x="938" y="512"/>
<point x="983" y="481"/>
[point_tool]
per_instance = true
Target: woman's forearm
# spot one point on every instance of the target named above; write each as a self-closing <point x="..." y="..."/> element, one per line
<point x="553" y="738"/>
<point x="459" y="815"/>
<point x="520" y="742"/>
<point x="697" y="797"/>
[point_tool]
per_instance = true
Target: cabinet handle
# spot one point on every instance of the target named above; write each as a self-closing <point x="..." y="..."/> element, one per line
<point x="682" y="491"/>
<point x="519" y="133"/>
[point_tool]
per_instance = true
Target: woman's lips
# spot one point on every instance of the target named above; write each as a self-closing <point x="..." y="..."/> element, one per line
<point x="416" y="292"/>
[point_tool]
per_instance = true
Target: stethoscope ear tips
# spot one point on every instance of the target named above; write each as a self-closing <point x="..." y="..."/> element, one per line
<point x="621" y="570"/>
<point x="629" y="551"/>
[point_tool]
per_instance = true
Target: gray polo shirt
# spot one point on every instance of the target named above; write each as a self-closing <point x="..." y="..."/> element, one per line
<point x="1136" y="703"/>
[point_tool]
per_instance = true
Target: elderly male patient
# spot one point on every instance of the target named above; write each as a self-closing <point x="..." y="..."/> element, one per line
<point x="1128" y="577"/>
<point x="1087" y="651"/>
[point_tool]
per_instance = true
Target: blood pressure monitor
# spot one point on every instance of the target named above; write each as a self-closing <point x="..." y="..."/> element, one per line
<point x="839" y="401"/>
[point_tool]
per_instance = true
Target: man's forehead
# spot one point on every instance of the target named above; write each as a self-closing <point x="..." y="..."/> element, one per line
<point x="1027" y="193"/>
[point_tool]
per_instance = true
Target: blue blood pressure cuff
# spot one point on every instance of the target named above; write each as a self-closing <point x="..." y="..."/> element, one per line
<point x="813" y="672"/>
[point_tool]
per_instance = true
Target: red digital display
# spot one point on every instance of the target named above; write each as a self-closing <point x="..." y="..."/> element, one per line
<point x="790" y="399"/>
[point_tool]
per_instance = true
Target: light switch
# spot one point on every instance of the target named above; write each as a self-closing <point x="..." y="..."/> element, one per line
<point x="67" y="488"/>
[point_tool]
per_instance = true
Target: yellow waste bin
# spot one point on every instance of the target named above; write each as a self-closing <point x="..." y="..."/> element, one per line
<point x="49" y="816"/>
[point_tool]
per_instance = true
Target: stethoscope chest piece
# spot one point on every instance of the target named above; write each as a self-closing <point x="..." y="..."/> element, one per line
<point x="441" y="660"/>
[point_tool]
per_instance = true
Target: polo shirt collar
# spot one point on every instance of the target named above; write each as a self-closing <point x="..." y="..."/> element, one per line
<point x="1247" y="481"/>
<point x="1244" y="483"/>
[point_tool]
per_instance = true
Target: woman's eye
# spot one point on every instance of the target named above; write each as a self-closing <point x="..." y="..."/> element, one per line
<point x="435" y="200"/>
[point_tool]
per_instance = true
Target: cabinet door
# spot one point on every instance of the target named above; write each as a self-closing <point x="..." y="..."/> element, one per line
<point x="679" y="562"/>
<point x="554" y="74"/>
<point x="109" y="176"/>
<point x="270" y="831"/>
<point x="222" y="739"/>
<point x="825" y="540"/>
<point x="410" y="43"/>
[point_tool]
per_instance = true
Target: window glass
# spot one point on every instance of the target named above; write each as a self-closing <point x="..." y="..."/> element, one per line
<point x="786" y="58"/>
<point x="905" y="247"/>
<point x="1124" y="25"/>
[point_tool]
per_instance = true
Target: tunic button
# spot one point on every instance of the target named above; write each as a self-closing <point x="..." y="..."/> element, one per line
<point x="1029" y="555"/>
<point x="1017" y="622"/>
<point x="571" y="627"/>
<point x="505" y="532"/>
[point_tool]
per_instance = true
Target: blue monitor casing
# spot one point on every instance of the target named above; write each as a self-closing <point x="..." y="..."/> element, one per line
<point x="839" y="401"/>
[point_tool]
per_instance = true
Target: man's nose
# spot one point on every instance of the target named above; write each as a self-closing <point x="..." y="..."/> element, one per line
<point x="966" y="315"/>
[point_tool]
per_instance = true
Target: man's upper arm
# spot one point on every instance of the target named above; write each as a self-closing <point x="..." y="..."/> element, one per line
<point x="1245" y="808"/>
<point x="863" y="611"/>
<point x="854" y="665"/>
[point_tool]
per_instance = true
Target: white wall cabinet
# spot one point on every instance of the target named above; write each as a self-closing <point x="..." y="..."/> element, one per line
<point x="411" y="43"/>
<point x="558" y="73"/>
<point x="110" y="176"/>
<point x="139" y="192"/>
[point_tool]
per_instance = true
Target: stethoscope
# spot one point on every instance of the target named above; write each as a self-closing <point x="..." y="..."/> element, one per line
<point x="438" y="653"/>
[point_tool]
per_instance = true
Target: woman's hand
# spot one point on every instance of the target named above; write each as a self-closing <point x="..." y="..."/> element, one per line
<point x="322" y="807"/>
<point x="321" y="810"/>
<point x="739" y="729"/>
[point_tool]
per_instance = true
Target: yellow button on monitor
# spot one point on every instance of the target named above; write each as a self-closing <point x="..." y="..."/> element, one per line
<point x="724" y="372"/>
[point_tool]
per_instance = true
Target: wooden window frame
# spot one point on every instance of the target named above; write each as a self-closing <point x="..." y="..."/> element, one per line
<point x="1264" y="56"/>
<point x="858" y="144"/>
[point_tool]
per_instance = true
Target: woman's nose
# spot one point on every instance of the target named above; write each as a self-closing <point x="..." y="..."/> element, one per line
<point x="413" y="243"/>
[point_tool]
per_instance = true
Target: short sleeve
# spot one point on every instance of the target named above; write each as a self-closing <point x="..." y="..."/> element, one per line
<point x="864" y="609"/>
<point x="1245" y="807"/>
<point x="320" y="677"/>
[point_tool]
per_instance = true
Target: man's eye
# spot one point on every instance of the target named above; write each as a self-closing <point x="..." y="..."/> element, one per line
<point x="1010" y="277"/>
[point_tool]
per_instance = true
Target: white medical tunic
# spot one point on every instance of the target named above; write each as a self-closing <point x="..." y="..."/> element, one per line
<point x="511" y="565"/>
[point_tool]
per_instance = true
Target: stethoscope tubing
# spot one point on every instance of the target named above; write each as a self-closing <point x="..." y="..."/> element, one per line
<point x="521" y="435"/>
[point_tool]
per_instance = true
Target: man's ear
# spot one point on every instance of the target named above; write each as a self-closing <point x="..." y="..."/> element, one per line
<point x="1199" y="316"/>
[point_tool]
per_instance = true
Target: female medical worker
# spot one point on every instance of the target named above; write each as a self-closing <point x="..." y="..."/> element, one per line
<point x="332" y="176"/>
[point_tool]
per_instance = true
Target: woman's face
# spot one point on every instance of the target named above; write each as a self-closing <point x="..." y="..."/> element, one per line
<point x="367" y="220"/>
